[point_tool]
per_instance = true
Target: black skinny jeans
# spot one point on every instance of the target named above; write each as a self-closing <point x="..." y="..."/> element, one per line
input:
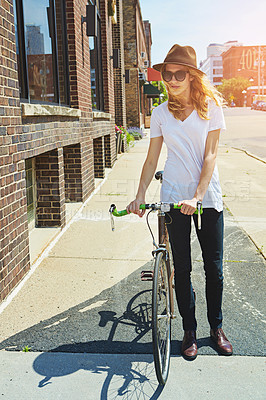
<point x="211" y="241"/>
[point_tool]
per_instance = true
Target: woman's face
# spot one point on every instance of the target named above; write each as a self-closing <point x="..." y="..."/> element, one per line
<point x="177" y="87"/>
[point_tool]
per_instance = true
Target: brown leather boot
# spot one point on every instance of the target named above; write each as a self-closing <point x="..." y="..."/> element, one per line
<point x="189" y="345"/>
<point x="221" y="341"/>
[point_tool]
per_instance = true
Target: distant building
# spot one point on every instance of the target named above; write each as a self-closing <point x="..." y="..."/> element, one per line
<point x="213" y="64"/>
<point x="213" y="68"/>
<point x="34" y="40"/>
<point x="248" y="62"/>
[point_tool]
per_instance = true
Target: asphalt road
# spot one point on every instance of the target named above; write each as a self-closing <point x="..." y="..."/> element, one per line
<point x="118" y="319"/>
<point x="246" y="130"/>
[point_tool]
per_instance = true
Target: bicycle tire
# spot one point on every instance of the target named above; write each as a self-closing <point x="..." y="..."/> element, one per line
<point x="161" y="319"/>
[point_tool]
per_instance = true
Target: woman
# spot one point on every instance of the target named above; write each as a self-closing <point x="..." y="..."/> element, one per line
<point x="190" y="124"/>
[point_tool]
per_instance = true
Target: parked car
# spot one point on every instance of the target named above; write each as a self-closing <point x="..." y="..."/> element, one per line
<point x="260" y="105"/>
<point x="264" y="107"/>
<point x="253" y="105"/>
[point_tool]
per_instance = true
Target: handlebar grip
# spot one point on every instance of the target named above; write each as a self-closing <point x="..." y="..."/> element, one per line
<point x="121" y="213"/>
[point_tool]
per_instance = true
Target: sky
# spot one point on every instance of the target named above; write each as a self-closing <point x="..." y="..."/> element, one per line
<point x="198" y="23"/>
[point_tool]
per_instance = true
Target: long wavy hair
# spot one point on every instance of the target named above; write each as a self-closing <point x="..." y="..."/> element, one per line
<point x="201" y="91"/>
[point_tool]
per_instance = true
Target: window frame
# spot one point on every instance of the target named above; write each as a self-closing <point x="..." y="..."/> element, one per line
<point x="22" y="59"/>
<point x="99" y="69"/>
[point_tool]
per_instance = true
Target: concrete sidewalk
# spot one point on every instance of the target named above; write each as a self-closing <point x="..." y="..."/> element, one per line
<point x="69" y="376"/>
<point x="77" y="267"/>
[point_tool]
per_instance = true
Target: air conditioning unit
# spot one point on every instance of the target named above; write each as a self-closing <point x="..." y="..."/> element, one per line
<point x="143" y="54"/>
<point x="142" y="76"/>
<point x="146" y="63"/>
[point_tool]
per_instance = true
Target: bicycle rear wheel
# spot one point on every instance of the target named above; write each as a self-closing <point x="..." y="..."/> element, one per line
<point x="161" y="319"/>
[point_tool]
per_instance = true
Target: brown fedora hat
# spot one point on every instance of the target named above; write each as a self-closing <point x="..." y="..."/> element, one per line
<point x="181" y="55"/>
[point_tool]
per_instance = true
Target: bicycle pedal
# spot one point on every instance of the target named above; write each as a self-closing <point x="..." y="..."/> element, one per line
<point x="147" y="275"/>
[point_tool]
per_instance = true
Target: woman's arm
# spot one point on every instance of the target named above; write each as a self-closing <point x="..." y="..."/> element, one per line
<point x="147" y="173"/>
<point x="211" y="148"/>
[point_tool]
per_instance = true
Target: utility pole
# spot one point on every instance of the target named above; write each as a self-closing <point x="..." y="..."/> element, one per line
<point x="259" y="66"/>
<point x="262" y="70"/>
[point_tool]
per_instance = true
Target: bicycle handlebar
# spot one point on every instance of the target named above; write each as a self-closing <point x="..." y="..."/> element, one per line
<point x="166" y="207"/>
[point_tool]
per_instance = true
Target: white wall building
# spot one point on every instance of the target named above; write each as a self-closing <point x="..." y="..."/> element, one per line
<point x="213" y="64"/>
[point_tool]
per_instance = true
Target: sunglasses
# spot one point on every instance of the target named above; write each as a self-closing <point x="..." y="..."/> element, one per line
<point x="179" y="75"/>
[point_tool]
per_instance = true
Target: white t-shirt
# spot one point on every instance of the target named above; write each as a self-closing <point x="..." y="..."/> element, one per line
<point x="185" y="142"/>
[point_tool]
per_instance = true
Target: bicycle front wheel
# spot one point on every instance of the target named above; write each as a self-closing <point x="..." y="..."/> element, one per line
<point x="161" y="319"/>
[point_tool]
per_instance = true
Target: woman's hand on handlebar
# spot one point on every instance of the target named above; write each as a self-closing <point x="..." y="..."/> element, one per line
<point x="188" y="206"/>
<point x="133" y="207"/>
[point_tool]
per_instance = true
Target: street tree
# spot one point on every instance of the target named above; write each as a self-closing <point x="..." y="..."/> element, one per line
<point x="231" y="89"/>
<point x="161" y="87"/>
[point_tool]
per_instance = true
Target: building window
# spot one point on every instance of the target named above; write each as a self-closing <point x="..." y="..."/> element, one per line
<point x="218" y="71"/>
<point x="41" y="43"/>
<point x="218" y="63"/>
<point x="217" y="79"/>
<point x="96" y="65"/>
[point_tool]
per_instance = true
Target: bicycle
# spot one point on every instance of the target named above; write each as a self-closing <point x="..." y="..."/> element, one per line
<point x="162" y="277"/>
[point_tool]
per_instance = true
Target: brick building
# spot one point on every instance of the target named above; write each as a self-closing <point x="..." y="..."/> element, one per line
<point x="137" y="48"/>
<point x="57" y="114"/>
<point x="119" y="72"/>
<point x="248" y="62"/>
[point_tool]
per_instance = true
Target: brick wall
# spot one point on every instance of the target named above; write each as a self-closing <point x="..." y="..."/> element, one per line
<point x="119" y="73"/>
<point x="105" y="150"/>
<point x="79" y="55"/>
<point x="107" y="63"/>
<point x="14" y="242"/>
<point x="131" y="63"/>
<point x="98" y="151"/>
<point x="133" y="99"/>
<point x="50" y="209"/>
<point x="47" y="139"/>
<point x="134" y="43"/>
<point x="72" y="173"/>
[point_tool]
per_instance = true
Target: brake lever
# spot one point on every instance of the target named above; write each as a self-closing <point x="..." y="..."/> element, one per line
<point x="111" y="209"/>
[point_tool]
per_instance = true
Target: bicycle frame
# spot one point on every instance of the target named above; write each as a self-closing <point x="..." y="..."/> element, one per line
<point x="163" y="240"/>
<point x="162" y="277"/>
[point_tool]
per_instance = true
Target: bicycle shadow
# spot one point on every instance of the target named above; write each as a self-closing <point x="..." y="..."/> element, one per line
<point x="132" y="374"/>
<point x="98" y="330"/>
<point x="128" y="365"/>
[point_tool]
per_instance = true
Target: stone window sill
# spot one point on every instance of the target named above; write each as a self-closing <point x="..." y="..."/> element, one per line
<point x="100" y="115"/>
<point x="37" y="110"/>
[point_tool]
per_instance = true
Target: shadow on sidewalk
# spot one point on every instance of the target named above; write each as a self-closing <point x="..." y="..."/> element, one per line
<point x="110" y="324"/>
<point x="105" y="324"/>
<point x="91" y="338"/>
<point x="131" y="376"/>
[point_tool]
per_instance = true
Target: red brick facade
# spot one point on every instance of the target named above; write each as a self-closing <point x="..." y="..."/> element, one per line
<point x="137" y="52"/>
<point x="50" y="188"/>
<point x="61" y="145"/>
<point x="119" y="73"/>
<point x="67" y="147"/>
<point x="244" y="61"/>
<point x="14" y="250"/>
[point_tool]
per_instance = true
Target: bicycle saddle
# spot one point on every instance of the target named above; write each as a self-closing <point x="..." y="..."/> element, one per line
<point x="159" y="175"/>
